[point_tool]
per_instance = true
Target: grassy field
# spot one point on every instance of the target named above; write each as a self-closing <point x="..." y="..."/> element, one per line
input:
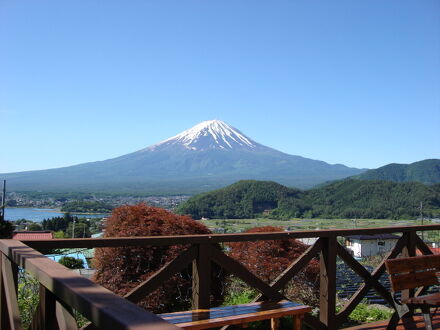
<point x="239" y="225"/>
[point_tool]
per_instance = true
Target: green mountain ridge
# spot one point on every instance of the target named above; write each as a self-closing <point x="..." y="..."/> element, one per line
<point x="426" y="171"/>
<point x="349" y="198"/>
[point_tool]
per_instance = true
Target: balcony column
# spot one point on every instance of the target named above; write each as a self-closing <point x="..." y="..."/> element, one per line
<point x="201" y="278"/>
<point x="409" y="251"/>
<point x="327" y="285"/>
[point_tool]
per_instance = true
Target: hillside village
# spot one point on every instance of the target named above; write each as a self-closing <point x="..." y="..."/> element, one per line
<point x="57" y="200"/>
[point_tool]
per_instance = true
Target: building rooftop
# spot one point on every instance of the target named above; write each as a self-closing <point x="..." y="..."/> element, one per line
<point x="25" y="235"/>
<point x="372" y="237"/>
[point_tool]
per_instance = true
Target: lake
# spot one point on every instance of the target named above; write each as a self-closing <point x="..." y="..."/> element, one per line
<point x="38" y="215"/>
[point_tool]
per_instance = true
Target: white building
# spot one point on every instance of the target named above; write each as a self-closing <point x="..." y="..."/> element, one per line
<point x="361" y="246"/>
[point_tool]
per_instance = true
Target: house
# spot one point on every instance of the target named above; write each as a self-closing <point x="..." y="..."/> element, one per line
<point x="361" y="246"/>
<point x="308" y="240"/>
<point x="40" y="234"/>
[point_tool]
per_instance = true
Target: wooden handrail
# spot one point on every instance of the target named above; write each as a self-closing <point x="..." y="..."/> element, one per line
<point x="106" y="310"/>
<point x="216" y="238"/>
<point x="101" y="306"/>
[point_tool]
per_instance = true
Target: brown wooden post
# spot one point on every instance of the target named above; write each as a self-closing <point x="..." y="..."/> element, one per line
<point x="201" y="278"/>
<point x="9" y="293"/>
<point x="4" y="313"/>
<point x="327" y="286"/>
<point x="47" y="310"/>
<point x="4" y="318"/>
<point x="65" y="318"/>
<point x="412" y="244"/>
<point x="409" y="251"/>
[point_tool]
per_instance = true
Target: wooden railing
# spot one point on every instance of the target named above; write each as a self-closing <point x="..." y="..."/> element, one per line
<point x="62" y="290"/>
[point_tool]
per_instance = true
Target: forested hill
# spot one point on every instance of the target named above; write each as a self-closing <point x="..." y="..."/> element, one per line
<point x="374" y="199"/>
<point x="243" y="199"/>
<point x="343" y="199"/>
<point x="426" y="171"/>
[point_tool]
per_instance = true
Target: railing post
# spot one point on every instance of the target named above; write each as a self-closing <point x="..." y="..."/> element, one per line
<point x="9" y="312"/>
<point x="327" y="285"/>
<point x="409" y="251"/>
<point x="4" y="318"/>
<point x="46" y="311"/>
<point x="201" y="278"/>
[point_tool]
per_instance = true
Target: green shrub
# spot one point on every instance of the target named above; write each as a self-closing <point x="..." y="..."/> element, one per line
<point x="71" y="262"/>
<point x="365" y="313"/>
<point x="238" y="298"/>
<point x="28" y="297"/>
<point x="369" y="313"/>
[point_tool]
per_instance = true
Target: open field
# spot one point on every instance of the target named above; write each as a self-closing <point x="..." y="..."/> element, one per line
<point x="239" y="225"/>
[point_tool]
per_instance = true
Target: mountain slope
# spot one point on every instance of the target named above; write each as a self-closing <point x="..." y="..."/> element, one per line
<point x="243" y="199"/>
<point x="209" y="155"/>
<point x="425" y="171"/>
<point x="374" y="199"/>
<point x="347" y="198"/>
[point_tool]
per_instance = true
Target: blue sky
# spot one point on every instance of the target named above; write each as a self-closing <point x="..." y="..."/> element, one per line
<point x="351" y="82"/>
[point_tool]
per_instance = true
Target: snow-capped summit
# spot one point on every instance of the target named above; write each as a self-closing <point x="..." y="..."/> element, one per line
<point x="209" y="134"/>
<point x="207" y="156"/>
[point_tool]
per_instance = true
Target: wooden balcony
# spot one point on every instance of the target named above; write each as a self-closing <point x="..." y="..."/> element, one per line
<point x="62" y="290"/>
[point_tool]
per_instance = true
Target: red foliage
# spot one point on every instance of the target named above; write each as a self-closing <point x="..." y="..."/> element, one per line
<point x="122" y="269"/>
<point x="267" y="259"/>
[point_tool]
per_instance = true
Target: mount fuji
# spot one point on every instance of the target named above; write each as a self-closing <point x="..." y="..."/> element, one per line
<point x="210" y="155"/>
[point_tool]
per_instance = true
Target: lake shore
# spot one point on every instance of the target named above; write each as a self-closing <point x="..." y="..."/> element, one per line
<point x="40" y="214"/>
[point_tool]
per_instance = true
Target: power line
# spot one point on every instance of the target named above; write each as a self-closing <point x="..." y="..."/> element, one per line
<point x="2" y="213"/>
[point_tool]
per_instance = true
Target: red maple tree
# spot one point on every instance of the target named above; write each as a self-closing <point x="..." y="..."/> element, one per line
<point x="267" y="259"/>
<point x="123" y="268"/>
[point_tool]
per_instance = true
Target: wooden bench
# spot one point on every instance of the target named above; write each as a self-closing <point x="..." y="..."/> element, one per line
<point x="238" y="314"/>
<point x="411" y="273"/>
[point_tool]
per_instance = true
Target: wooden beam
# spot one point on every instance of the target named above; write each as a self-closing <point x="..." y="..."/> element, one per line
<point x="327" y="286"/>
<point x="64" y="316"/>
<point x="4" y="313"/>
<point x="294" y="268"/>
<point x="422" y="246"/>
<point x="101" y="306"/>
<point x="365" y="274"/>
<point x="46" y="311"/>
<point x="412" y="243"/>
<point x="409" y="251"/>
<point x="357" y="297"/>
<point x="164" y="273"/>
<point x="216" y="238"/>
<point x="201" y="278"/>
<point x="8" y="280"/>
<point x="236" y="268"/>
<point x="297" y="265"/>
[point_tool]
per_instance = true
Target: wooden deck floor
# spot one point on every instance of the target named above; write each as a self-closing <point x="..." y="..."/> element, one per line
<point x="417" y="323"/>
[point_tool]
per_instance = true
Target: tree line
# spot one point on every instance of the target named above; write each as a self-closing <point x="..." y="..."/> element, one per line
<point x="87" y="207"/>
<point x="350" y="198"/>
<point x="71" y="226"/>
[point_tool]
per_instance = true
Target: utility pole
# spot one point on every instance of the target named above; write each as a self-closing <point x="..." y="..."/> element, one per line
<point x="73" y="228"/>
<point x="421" y="216"/>
<point x="2" y="213"/>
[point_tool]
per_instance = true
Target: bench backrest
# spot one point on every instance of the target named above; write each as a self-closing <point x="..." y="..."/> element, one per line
<point x="413" y="272"/>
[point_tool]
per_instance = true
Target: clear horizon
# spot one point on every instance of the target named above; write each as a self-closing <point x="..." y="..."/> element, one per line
<point x="354" y="83"/>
